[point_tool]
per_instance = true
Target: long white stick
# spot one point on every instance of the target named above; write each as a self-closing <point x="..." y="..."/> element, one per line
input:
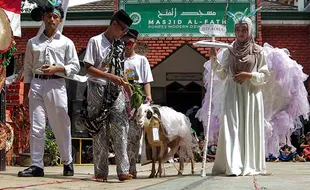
<point x="65" y="4"/>
<point x="206" y="140"/>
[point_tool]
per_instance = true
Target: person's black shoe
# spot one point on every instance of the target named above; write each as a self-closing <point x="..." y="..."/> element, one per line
<point x="32" y="171"/>
<point x="68" y="170"/>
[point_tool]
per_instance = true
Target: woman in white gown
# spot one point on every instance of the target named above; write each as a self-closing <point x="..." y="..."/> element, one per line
<point x="241" y="146"/>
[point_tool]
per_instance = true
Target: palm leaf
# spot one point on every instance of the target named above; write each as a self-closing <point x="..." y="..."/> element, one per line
<point x="245" y="11"/>
<point x="254" y="12"/>
<point x="232" y="15"/>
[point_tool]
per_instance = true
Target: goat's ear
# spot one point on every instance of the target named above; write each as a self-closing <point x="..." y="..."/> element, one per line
<point x="149" y="114"/>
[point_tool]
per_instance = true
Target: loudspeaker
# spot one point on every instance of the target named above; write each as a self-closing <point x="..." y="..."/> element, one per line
<point x="75" y="90"/>
<point x="78" y="129"/>
<point x="87" y="152"/>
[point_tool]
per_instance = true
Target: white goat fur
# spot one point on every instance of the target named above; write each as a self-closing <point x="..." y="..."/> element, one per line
<point x="178" y="132"/>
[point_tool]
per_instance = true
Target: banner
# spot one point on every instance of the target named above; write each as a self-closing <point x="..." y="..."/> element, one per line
<point x="12" y="9"/>
<point x="177" y="18"/>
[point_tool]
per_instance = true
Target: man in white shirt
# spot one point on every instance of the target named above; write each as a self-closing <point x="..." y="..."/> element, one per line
<point x="104" y="62"/>
<point x="137" y="67"/>
<point x="137" y="70"/>
<point x="48" y="97"/>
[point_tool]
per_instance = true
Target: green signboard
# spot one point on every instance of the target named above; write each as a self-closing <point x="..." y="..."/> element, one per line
<point x="182" y="18"/>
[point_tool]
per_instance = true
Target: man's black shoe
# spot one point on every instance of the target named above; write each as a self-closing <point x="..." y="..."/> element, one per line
<point x="32" y="171"/>
<point x="68" y="170"/>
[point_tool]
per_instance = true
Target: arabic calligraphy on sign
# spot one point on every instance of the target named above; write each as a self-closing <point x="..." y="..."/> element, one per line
<point x="173" y="13"/>
<point x="199" y="13"/>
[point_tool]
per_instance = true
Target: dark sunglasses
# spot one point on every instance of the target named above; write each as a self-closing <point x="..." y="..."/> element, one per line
<point x="125" y="29"/>
<point x="129" y="43"/>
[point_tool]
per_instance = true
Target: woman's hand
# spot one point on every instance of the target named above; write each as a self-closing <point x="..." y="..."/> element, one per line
<point x="213" y="58"/>
<point x="242" y="76"/>
<point x="213" y="52"/>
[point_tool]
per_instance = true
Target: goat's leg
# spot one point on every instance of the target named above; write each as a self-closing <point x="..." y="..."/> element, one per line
<point x="153" y="169"/>
<point x="160" y="160"/>
<point x="159" y="170"/>
<point x="152" y="175"/>
<point x="181" y="160"/>
<point x="192" y="163"/>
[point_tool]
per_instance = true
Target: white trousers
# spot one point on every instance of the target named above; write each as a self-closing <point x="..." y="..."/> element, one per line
<point x="48" y="100"/>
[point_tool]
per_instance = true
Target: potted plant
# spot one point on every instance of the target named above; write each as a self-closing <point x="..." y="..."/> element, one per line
<point x="51" y="153"/>
<point x="20" y="117"/>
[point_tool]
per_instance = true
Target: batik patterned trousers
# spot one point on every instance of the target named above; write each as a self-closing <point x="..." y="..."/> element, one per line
<point x="134" y="136"/>
<point x="115" y="125"/>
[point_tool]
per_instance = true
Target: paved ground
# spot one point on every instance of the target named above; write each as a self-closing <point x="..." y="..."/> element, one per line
<point x="284" y="176"/>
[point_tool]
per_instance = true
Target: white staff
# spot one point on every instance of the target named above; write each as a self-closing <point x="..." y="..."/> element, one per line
<point x="211" y="30"/>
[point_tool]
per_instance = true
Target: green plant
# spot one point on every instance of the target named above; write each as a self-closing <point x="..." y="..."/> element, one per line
<point x="6" y="57"/>
<point x="20" y="117"/>
<point x="137" y="96"/>
<point x="50" y="146"/>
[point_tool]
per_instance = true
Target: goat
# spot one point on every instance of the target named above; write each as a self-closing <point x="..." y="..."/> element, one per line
<point x="173" y="131"/>
<point x="155" y="137"/>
